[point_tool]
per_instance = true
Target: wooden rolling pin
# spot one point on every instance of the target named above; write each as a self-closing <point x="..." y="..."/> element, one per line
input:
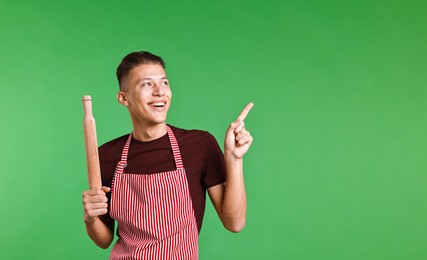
<point x="91" y="145"/>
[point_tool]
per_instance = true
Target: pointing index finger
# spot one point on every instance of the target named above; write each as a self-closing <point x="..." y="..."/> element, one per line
<point x="245" y="111"/>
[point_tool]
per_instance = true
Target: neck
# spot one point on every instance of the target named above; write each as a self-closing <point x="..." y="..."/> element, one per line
<point x="149" y="133"/>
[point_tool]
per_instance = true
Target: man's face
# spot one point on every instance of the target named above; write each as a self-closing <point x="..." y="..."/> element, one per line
<point x="148" y="95"/>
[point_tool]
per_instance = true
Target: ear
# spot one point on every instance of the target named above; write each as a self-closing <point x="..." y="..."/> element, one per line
<point x="121" y="97"/>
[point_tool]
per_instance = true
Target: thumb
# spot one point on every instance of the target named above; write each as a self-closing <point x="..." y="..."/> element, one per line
<point x="105" y="189"/>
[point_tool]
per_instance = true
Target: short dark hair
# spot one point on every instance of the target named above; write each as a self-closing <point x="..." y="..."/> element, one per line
<point x="133" y="60"/>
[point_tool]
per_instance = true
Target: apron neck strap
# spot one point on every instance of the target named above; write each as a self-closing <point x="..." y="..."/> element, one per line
<point x="175" y="150"/>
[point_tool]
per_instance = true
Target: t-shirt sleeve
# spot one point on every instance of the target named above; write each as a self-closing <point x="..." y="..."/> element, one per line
<point x="106" y="165"/>
<point x="109" y="155"/>
<point x="214" y="163"/>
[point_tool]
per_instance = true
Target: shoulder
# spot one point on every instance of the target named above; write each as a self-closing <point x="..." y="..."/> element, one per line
<point x="192" y="134"/>
<point x="196" y="142"/>
<point x="109" y="154"/>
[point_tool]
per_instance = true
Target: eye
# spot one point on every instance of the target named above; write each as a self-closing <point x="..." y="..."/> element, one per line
<point x="165" y="83"/>
<point x="146" y="84"/>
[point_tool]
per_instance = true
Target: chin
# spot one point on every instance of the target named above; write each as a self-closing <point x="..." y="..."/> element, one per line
<point x="159" y="120"/>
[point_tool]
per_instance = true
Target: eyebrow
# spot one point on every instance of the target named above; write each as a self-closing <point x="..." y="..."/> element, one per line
<point x="139" y="81"/>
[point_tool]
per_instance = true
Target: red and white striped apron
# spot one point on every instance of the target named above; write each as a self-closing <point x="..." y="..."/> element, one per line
<point x="154" y="212"/>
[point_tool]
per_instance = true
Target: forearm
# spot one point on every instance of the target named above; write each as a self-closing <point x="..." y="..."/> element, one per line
<point x="233" y="204"/>
<point x="234" y="201"/>
<point x="99" y="232"/>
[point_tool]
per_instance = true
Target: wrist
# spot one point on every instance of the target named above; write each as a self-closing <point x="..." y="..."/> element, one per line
<point x="231" y="158"/>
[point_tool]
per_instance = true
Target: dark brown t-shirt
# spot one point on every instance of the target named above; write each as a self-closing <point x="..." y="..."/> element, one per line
<point x="202" y="158"/>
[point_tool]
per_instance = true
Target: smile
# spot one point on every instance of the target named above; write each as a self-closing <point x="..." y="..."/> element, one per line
<point x="158" y="104"/>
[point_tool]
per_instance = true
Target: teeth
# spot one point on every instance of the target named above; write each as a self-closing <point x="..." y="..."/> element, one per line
<point x="159" y="104"/>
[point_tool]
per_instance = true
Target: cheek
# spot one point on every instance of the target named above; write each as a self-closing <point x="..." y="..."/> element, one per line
<point x="144" y="94"/>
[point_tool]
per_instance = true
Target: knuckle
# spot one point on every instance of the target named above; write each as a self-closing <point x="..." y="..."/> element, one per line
<point x="86" y="199"/>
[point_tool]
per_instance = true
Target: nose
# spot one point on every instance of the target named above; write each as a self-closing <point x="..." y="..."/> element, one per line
<point x="158" y="90"/>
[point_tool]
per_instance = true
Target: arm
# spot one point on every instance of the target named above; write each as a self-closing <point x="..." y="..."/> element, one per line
<point x="229" y="199"/>
<point x="99" y="225"/>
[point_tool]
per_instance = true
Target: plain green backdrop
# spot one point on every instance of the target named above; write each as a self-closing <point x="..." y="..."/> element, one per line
<point x="338" y="166"/>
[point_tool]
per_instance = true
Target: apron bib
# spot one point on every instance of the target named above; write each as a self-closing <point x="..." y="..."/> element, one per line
<point x="154" y="212"/>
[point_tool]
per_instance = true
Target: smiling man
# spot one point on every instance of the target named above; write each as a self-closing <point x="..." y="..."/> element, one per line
<point x="155" y="179"/>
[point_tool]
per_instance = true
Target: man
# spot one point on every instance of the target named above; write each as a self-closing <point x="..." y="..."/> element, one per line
<point x="155" y="179"/>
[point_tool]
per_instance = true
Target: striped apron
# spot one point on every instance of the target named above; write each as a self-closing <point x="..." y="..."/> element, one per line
<point x="154" y="212"/>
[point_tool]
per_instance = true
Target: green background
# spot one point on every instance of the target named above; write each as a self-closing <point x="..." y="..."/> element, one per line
<point x="338" y="166"/>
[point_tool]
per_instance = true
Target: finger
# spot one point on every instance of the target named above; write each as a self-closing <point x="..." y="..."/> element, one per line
<point x="232" y="127"/>
<point x="93" y="206"/>
<point x="242" y="134"/>
<point x="245" y="140"/>
<point x="90" y="207"/>
<point x="94" y="198"/>
<point x="90" y="193"/>
<point x="97" y="212"/>
<point x="245" y="111"/>
<point x="95" y="195"/>
<point x="240" y="127"/>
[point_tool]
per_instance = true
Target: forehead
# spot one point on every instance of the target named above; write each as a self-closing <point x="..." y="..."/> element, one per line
<point x="152" y="71"/>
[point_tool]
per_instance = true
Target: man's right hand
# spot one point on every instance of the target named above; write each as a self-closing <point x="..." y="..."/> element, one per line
<point x="95" y="203"/>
